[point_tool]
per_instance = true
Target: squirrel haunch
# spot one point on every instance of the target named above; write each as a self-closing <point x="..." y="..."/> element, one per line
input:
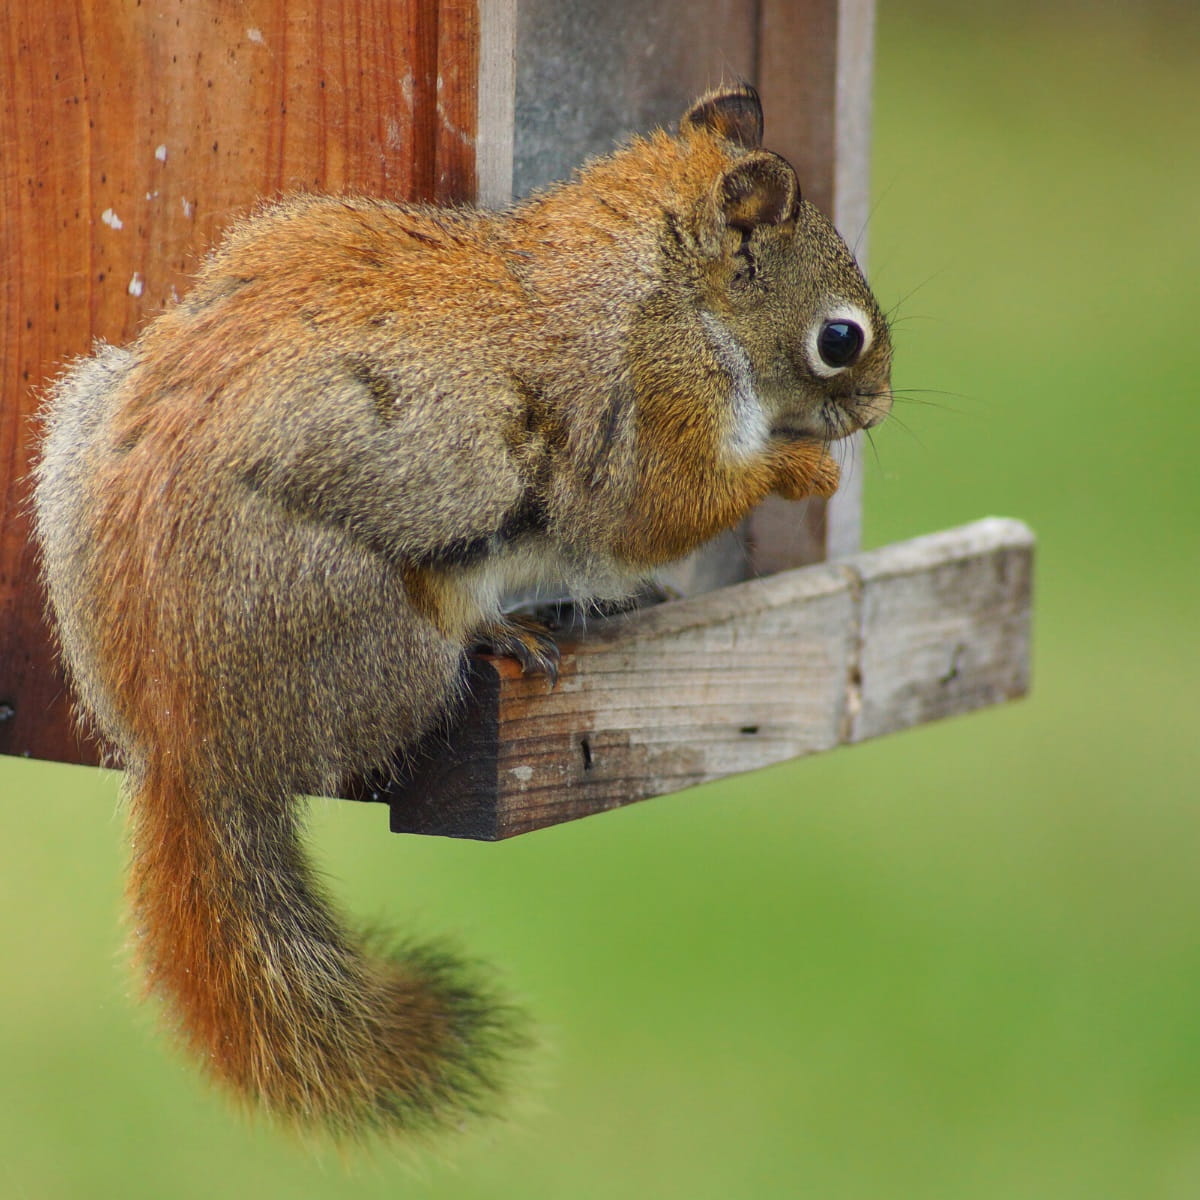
<point x="271" y="527"/>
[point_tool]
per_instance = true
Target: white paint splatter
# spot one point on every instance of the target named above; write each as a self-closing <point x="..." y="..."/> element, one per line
<point x="256" y="35"/>
<point x="137" y="284"/>
<point x="523" y="774"/>
<point x="188" y="207"/>
<point x="152" y="195"/>
<point x="160" y="152"/>
<point x="449" y="126"/>
<point x="111" y="219"/>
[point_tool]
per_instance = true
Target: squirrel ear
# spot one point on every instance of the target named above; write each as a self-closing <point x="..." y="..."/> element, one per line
<point x="760" y="189"/>
<point x="734" y="113"/>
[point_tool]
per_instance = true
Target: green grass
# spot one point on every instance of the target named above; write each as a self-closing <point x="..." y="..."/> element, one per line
<point x="960" y="962"/>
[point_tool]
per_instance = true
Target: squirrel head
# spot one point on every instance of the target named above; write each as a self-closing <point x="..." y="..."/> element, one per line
<point x="776" y="286"/>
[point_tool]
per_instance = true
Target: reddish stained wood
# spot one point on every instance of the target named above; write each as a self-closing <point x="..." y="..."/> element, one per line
<point x="818" y="116"/>
<point x="456" y="98"/>
<point x="799" y="103"/>
<point x="130" y="135"/>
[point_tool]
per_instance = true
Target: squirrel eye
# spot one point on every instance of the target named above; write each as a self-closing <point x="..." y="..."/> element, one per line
<point x="839" y="343"/>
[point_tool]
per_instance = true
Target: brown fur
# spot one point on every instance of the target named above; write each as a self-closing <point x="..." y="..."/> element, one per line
<point x="271" y="527"/>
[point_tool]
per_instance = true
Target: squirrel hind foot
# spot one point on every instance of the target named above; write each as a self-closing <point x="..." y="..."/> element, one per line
<point x="524" y="638"/>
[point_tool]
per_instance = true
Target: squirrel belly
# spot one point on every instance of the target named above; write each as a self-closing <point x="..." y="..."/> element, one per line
<point x="272" y="527"/>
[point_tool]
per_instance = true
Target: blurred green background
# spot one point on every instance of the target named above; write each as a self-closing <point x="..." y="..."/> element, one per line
<point x="961" y="962"/>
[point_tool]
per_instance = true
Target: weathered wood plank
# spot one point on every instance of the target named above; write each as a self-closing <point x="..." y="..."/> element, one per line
<point x="962" y="601"/>
<point x="756" y="673"/>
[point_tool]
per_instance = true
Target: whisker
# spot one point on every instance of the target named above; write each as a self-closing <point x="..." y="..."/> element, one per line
<point x="903" y="425"/>
<point x="868" y="434"/>
<point x="884" y="192"/>
<point x="921" y="397"/>
<point x="913" y="291"/>
<point x="892" y="322"/>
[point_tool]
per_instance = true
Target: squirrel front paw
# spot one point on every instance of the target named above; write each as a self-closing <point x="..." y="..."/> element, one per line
<point x="525" y="639"/>
<point x="806" y="469"/>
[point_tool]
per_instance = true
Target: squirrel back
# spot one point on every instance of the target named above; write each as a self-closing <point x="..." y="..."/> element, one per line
<point x="272" y="527"/>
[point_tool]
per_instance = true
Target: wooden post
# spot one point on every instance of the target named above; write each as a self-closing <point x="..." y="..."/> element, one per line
<point x="130" y="136"/>
<point x="816" y="62"/>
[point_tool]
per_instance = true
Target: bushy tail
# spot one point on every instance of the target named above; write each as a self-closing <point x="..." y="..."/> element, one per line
<point x="275" y="997"/>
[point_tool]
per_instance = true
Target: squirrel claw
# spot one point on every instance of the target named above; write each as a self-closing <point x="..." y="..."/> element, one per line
<point x="525" y="639"/>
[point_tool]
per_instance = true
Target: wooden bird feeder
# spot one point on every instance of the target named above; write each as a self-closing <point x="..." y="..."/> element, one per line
<point x="132" y="135"/>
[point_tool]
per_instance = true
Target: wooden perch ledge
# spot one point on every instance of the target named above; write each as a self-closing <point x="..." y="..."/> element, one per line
<point x="791" y="664"/>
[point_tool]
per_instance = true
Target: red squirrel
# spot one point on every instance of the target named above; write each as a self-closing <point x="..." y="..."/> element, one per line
<point x="272" y="527"/>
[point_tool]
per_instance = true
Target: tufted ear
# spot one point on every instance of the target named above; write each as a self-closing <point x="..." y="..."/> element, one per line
<point x="734" y="113"/>
<point x="760" y="189"/>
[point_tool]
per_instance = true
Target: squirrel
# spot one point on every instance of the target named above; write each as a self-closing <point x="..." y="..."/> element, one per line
<point x="272" y="528"/>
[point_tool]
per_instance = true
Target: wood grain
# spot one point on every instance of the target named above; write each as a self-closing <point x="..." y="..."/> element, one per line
<point x="815" y="64"/>
<point x="713" y="685"/>
<point x="130" y="135"/>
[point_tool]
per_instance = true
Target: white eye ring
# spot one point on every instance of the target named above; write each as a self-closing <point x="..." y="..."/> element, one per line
<point x="851" y="314"/>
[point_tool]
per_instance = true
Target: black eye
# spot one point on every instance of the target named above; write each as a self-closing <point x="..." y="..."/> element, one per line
<point x="839" y="343"/>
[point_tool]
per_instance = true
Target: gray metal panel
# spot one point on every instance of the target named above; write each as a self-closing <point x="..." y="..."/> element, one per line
<point x="590" y="72"/>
